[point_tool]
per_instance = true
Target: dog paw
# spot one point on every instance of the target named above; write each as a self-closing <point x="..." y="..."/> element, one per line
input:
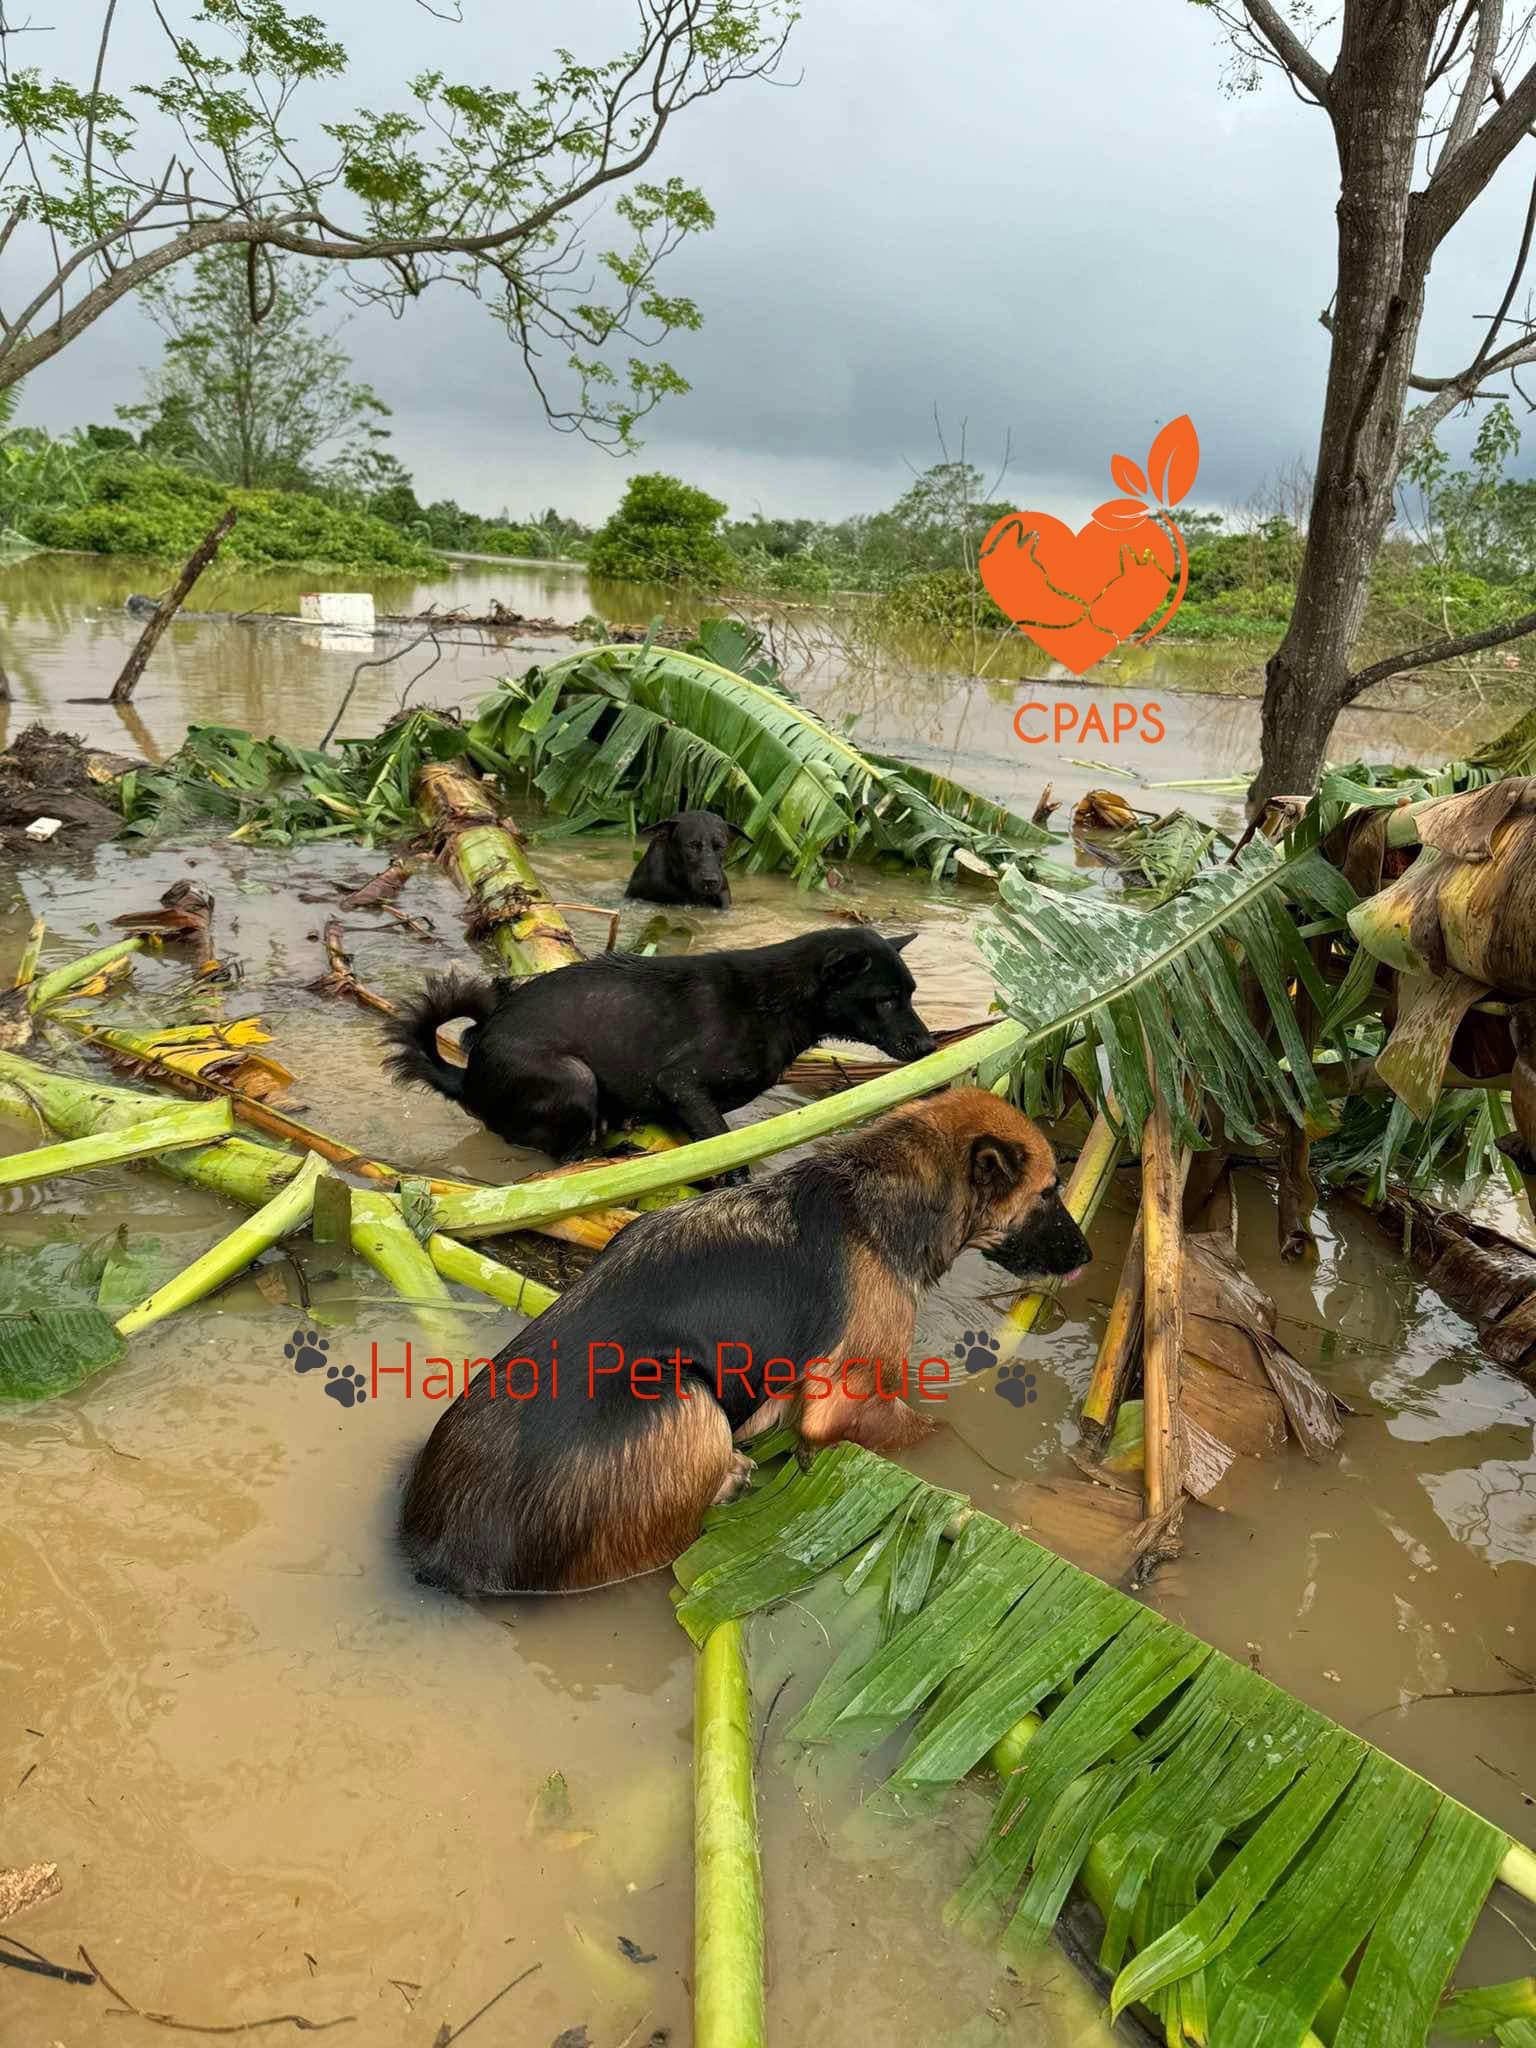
<point x="738" y="1477"/>
<point x="1016" y="1384"/>
<point x="346" y="1386"/>
<point x="976" y="1350"/>
<point x="306" y="1350"/>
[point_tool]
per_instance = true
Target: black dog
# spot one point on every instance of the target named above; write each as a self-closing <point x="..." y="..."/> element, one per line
<point x="560" y="1059"/>
<point x="590" y="1447"/>
<point x="685" y="861"/>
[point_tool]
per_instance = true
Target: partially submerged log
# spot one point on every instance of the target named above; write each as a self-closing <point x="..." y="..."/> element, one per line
<point x="1476" y="1270"/>
<point x="168" y="607"/>
<point x="511" y="909"/>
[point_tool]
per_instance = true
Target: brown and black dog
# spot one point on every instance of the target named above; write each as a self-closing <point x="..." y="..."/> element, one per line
<point x="589" y="1449"/>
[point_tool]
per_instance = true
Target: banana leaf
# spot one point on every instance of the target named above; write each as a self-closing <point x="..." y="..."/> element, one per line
<point x="625" y="734"/>
<point x="1246" y="1848"/>
<point x="276" y="794"/>
<point x="1167" y="984"/>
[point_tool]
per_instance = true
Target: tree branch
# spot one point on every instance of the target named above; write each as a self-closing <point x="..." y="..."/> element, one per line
<point x="1268" y="23"/>
<point x="1459" y="179"/>
<point x="1485" y="47"/>
<point x="1436" y="651"/>
<point x="1453" y="391"/>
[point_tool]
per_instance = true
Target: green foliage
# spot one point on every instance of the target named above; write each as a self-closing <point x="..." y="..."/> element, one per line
<point x="942" y="601"/>
<point x="664" y="531"/>
<point x="139" y="507"/>
<point x="505" y="540"/>
<point x="39" y="473"/>
<point x="275" y="794"/>
<point x="624" y="732"/>
<point x="486" y="185"/>
<point x="247" y="391"/>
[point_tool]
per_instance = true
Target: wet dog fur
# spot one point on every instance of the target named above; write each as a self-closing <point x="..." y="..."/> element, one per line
<point x="685" y="861"/>
<point x="518" y="1491"/>
<point x="558" y="1060"/>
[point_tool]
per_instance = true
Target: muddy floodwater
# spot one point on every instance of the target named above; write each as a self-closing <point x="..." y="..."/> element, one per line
<point x="279" y="1779"/>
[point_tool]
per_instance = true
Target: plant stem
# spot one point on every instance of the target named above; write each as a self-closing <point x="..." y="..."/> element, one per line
<point x="288" y="1210"/>
<point x="1117" y="1347"/>
<point x="728" y="2006"/>
<point x="461" y="1262"/>
<point x="1163" y="1312"/>
<point x="64" y="978"/>
<point x="194" y="1123"/>
<point x="235" y="1168"/>
<point x="381" y="1235"/>
<point x="28" y="963"/>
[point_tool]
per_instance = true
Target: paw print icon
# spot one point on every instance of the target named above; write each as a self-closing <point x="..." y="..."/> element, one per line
<point x="346" y="1386"/>
<point x="1016" y="1384"/>
<point x="305" y="1350"/>
<point x="976" y="1350"/>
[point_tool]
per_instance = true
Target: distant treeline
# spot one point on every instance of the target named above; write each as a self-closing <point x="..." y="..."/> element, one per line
<point x="1467" y="562"/>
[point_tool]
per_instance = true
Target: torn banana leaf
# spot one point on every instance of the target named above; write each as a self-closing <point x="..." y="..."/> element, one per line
<point x="1177" y="972"/>
<point x="219" y="1052"/>
<point x="1246" y="1847"/>
<point x="52" y="1351"/>
<point x="623" y="734"/>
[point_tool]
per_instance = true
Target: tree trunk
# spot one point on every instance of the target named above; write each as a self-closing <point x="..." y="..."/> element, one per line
<point x="1375" y="102"/>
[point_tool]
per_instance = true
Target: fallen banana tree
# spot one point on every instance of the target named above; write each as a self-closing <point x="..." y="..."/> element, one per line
<point x="1114" y="974"/>
<point x="1487" y="1277"/>
<point x="623" y="734"/>
<point x="1260" y="1871"/>
<point x="43" y="1355"/>
<point x="512" y="911"/>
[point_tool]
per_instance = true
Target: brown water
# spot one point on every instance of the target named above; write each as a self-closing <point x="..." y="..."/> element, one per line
<point x="278" y="1778"/>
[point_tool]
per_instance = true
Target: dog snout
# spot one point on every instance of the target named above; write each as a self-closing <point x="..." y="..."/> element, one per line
<point x="1049" y="1246"/>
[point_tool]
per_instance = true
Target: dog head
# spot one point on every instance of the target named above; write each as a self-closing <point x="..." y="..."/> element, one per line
<point x="1001" y="1194"/>
<point x="867" y="992"/>
<point x="1019" y="1219"/>
<point x="691" y="847"/>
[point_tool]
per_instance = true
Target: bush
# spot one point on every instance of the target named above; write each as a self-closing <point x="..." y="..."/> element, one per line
<point x="664" y="531"/>
<point x="505" y="540"/>
<point x="150" y="508"/>
<point x="944" y="601"/>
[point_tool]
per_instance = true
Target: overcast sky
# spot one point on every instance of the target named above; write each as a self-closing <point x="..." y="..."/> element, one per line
<point x="1045" y="221"/>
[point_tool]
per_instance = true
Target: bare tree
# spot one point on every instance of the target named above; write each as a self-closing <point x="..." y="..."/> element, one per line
<point x="1423" y="118"/>
<point x="475" y="184"/>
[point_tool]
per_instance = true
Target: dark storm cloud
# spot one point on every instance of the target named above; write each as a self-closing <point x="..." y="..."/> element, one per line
<point x="1048" y="223"/>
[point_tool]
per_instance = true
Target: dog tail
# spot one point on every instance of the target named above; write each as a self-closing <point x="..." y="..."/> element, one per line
<point x="414" y="1031"/>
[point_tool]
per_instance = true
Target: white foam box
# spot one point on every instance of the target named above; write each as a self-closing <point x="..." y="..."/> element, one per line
<point x="337" y="607"/>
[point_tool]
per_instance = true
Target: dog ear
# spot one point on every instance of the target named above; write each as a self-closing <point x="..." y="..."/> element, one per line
<point x="902" y="941"/>
<point x="735" y="830"/>
<point x="996" y="1167"/>
<point x="843" y="963"/>
<point x="661" y="825"/>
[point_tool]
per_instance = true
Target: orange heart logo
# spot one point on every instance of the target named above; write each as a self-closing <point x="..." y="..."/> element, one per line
<point x="1081" y="595"/>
